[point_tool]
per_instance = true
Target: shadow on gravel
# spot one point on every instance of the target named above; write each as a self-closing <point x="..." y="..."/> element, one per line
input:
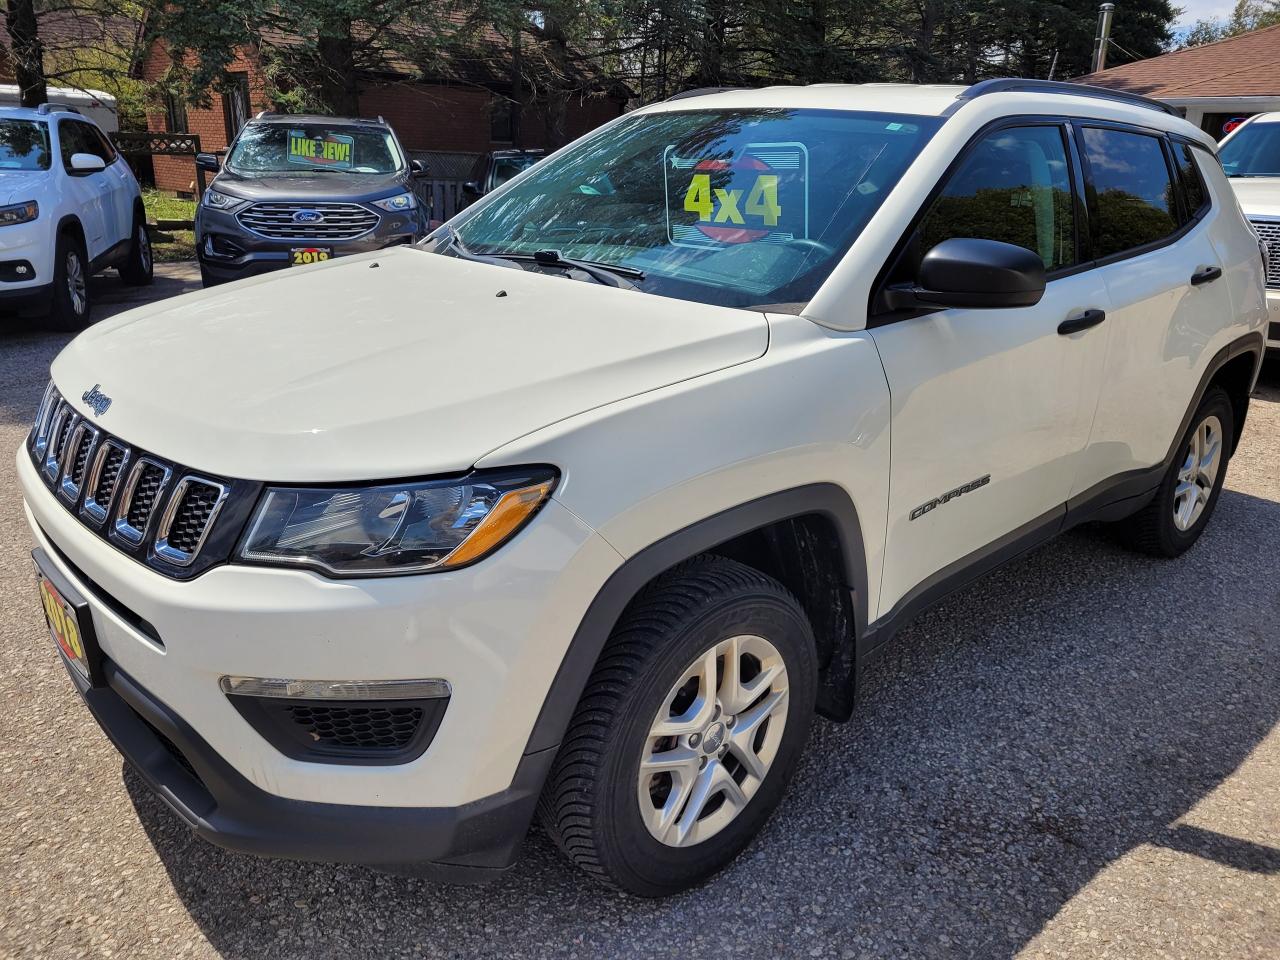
<point x="1013" y="742"/>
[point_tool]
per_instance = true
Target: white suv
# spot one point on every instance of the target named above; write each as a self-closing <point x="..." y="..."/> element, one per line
<point x="69" y="207"/>
<point x="1251" y="158"/>
<point x="588" y="503"/>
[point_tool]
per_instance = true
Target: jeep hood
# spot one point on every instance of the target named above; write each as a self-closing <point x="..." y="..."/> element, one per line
<point x="17" y="186"/>
<point x="1258" y="196"/>
<point x="393" y="364"/>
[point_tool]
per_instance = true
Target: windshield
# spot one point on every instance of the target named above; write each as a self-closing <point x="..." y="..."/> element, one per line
<point x="1253" y="152"/>
<point x="741" y="208"/>
<point x="308" y="148"/>
<point x="24" y="145"/>
<point x="504" y="168"/>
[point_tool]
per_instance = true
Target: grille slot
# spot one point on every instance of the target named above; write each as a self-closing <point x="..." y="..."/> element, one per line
<point x="147" y="481"/>
<point x="341" y="221"/>
<point x="75" y="458"/>
<point x="103" y="477"/>
<point x="1269" y="231"/>
<point x="64" y="419"/>
<point x="188" y="517"/>
<point x="357" y="727"/>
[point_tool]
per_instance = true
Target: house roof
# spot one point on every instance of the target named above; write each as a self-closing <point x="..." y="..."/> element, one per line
<point x="1247" y="65"/>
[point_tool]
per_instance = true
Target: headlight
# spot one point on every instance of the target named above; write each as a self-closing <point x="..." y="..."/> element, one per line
<point x="397" y="204"/>
<point x="19" y="213"/>
<point x="220" y="201"/>
<point x="394" y="528"/>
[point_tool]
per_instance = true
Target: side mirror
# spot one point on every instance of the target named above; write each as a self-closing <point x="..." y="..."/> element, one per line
<point x="972" y="273"/>
<point x="207" y="162"/>
<point x="87" y="163"/>
<point x="471" y="188"/>
<point x="418" y="168"/>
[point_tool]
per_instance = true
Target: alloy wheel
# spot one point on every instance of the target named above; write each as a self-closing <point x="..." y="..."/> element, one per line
<point x="77" y="285"/>
<point x="711" y="744"/>
<point x="1198" y="473"/>
<point x="144" y="248"/>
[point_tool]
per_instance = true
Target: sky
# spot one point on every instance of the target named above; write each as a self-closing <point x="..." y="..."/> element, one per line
<point x="1194" y="10"/>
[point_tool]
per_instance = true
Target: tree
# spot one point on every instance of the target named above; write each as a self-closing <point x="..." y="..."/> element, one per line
<point x="27" y="52"/>
<point x="1246" y="16"/>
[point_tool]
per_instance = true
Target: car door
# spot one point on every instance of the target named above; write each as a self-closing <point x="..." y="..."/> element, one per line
<point x="1163" y="275"/>
<point x="89" y="193"/>
<point x="990" y="407"/>
<point x="119" y="211"/>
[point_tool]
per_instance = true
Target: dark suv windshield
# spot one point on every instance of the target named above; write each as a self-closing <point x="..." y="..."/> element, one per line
<point x="24" y="145"/>
<point x="307" y="148"/>
<point x="1253" y="152"/>
<point x="742" y="208"/>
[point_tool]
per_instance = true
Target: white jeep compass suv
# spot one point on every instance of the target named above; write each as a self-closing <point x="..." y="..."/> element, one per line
<point x="69" y="207"/>
<point x="586" y="505"/>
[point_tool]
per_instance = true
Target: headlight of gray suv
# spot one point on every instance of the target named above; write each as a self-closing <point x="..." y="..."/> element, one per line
<point x="394" y="528"/>
<point x="400" y="203"/>
<point x="215" y="200"/>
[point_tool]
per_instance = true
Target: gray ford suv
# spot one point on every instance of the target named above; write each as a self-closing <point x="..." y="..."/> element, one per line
<point x="300" y="189"/>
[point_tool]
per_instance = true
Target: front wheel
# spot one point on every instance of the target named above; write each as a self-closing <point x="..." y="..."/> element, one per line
<point x="136" y="271"/>
<point x="688" y="731"/>
<point x="71" y="302"/>
<point x="1181" y="509"/>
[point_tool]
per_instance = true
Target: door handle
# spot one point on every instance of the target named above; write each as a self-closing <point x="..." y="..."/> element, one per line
<point x="1090" y="318"/>
<point x="1207" y="275"/>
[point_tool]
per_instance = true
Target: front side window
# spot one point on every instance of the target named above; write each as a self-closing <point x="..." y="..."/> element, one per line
<point x="1253" y="152"/>
<point x="741" y="208"/>
<point x="1134" y="190"/>
<point x="24" y="145"/>
<point x="1013" y="186"/>
<point x="276" y="148"/>
<point x="72" y="139"/>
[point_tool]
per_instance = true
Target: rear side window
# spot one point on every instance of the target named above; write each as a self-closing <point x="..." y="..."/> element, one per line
<point x="1135" y="194"/>
<point x="1193" y="190"/>
<point x="1014" y="186"/>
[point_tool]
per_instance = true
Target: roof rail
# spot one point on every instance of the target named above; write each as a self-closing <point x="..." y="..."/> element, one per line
<point x="1019" y="85"/>
<point x="51" y="107"/>
<point x="701" y="92"/>
<point x="265" y="113"/>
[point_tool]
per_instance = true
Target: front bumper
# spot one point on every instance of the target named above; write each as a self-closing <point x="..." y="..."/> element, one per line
<point x="496" y="631"/>
<point x="229" y="251"/>
<point x="466" y="843"/>
<point x="29" y="245"/>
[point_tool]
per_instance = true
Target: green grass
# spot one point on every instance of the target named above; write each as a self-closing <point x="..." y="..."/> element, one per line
<point x="161" y="206"/>
<point x="170" y="246"/>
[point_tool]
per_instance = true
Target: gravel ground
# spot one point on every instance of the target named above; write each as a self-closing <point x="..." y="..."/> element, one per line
<point x="1077" y="757"/>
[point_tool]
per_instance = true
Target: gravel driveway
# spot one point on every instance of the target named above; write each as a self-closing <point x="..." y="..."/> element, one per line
<point x="1078" y="757"/>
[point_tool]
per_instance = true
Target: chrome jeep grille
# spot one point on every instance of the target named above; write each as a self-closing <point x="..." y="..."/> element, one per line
<point x="142" y="504"/>
<point x="1269" y="231"/>
<point x="280" y="221"/>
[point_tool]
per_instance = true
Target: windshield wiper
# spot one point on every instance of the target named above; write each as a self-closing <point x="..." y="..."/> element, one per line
<point x="610" y="274"/>
<point x="446" y="239"/>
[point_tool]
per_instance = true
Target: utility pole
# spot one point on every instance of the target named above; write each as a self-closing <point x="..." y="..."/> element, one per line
<point x="1103" y="39"/>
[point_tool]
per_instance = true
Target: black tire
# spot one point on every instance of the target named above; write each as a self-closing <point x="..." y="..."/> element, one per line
<point x="1154" y="529"/>
<point x="137" y="269"/>
<point x="591" y="803"/>
<point x="68" y="312"/>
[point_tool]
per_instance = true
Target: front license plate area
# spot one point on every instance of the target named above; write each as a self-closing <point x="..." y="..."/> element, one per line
<point x="70" y="622"/>
<point x="301" y="256"/>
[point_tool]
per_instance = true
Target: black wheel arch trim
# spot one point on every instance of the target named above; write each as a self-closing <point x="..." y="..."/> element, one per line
<point x="828" y="500"/>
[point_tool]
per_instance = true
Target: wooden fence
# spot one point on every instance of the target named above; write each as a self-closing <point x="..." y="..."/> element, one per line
<point x="440" y="191"/>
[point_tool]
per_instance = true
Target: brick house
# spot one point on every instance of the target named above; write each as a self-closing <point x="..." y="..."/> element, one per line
<point x="448" y="119"/>
<point x="1211" y="84"/>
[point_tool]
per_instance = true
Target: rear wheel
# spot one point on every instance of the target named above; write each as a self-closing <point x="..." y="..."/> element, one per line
<point x="1181" y="509"/>
<point x="137" y="269"/>
<point x="688" y="731"/>
<point x="71" y="303"/>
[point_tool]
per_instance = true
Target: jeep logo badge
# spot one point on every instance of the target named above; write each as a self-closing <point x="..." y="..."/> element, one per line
<point x="308" y="216"/>
<point x="96" y="400"/>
